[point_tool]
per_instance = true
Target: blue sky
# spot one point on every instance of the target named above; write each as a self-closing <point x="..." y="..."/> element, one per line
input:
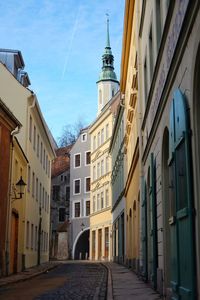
<point x="62" y="43"/>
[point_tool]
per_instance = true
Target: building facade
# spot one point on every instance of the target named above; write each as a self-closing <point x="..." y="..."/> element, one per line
<point x="60" y="204"/>
<point x="129" y="90"/>
<point x="80" y="196"/>
<point x="8" y="124"/>
<point x="35" y="142"/>
<point x="117" y="152"/>
<point x="168" y="55"/>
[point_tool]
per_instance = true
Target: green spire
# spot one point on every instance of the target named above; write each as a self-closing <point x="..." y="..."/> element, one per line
<point x="108" y="36"/>
<point x="107" y="72"/>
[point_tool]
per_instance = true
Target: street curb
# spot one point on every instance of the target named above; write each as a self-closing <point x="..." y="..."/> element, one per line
<point x="109" y="283"/>
<point x="26" y="277"/>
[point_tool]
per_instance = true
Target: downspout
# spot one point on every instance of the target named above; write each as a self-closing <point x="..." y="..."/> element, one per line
<point x="8" y="218"/>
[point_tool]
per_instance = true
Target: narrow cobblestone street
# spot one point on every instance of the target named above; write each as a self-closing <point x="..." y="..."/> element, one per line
<point x="67" y="281"/>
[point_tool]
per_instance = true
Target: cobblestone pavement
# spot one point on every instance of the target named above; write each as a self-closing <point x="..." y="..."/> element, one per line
<point x="73" y="281"/>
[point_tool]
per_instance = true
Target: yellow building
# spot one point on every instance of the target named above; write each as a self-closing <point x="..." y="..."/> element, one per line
<point x="32" y="155"/>
<point x="101" y="131"/>
<point x="129" y="88"/>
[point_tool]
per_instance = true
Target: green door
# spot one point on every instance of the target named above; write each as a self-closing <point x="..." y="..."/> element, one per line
<point x="182" y="275"/>
<point x="144" y="232"/>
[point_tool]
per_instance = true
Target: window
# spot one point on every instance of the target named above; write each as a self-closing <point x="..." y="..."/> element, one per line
<point x="38" y="145"/>
<point x="77" y="211"/>
<point x="94" y="204"/>
<point x="87" y="184"/>
<point x="67" y="193"/>
<point x="77" y="186"/>
<point x="37" y="190"/>
<point x="48" y="203"/>
<point x="61" y="214"/>
<point x="40" y="194"/>
<point x="27" y="234"/>
<point x="33" y="184"/>
<point x="102" y="167"/>
<point x="94" y="142"/>
<point x="94" y="172"/>
<point x="107" y="131"/>
<point x="145" y="80"/>
<point x="84" y="137"/>
<point x="49" y="168"/>
<point x="31" y="236"/>
<point x="98" y="170"/>
<point x="46" y="163"/>
<point x="34" y="138"/>
<point x="102" y="200"/>
<point x="77" y="160"/>
<point x="151" y="59"/>
<point x="56" y="192"/>
<point x="98" y="201"/>
<point x="61" y="177"/>
<point x="36" y="237"/>
<point x="100" y="97"/>
<point x="107" y="164"/>
<point x="29" y="178"/>
<point x="98" y="139"/>
<point x="43" y="194"/>
<point x="41" y="152"/>
<point x="113" y="92"/>
<point x="107" y="198"/>
<point x="87" y="208"/>
<point x="102" y="135"/>
<point x="44" y="156"/>
<point x="30" y="129"/>
<point x="87" y="157"/>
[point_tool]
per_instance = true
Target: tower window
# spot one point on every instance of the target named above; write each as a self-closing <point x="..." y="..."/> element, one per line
<point x="100" y="97"/>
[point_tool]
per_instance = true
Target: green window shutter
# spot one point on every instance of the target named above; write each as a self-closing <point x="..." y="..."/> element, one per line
<point x="144" y="230"/>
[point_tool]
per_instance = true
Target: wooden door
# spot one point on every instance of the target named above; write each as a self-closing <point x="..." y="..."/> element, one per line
<point x="182" y="275"/>
<point x="14" y="243"/>
<point x="99" y="244"/>
<point x="106" y="242"/>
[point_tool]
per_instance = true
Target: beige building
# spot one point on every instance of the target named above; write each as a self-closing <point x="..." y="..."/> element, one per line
<point x="101" y="131"/>
<point x="33" y="153"/>
<point x="168" y="43"/>
<point x="129" y="90"/>
<point x="100" y="216"/>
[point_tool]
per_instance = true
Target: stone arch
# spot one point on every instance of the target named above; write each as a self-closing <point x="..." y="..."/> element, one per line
<point x="83" y="237"/>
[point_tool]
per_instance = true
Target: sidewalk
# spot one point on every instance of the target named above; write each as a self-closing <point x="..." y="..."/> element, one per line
<point x="28" y="273"/>
<point x="123" y="284"/>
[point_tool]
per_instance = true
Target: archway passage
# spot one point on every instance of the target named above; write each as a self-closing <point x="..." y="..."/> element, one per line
<point x="82" y="246"/>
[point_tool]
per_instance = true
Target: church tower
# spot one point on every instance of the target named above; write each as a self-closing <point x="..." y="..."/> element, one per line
<point x="107" y="84"/>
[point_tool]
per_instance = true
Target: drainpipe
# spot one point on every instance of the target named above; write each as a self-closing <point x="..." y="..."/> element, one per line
<point x="8" y="214"/>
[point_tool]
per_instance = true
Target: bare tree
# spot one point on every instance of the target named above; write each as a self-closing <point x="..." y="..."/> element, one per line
<point x="70" y="133"/>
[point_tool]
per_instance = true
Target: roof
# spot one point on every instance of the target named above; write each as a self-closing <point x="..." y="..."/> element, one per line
<point x="62" y="162"/>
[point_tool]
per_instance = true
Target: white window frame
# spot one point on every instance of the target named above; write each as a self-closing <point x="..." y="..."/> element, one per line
<point x="75" y="160"/>
<point x="86" y="184"/>
<point x="82" y="135"/>
<point x="86" y="158"/>
<point x="84" y="213"/>
<point x="74" y="186"/>
<point x="74" y="202"/>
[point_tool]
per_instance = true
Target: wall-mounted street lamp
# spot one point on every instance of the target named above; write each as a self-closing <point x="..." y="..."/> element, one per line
<point x="20" y="185"/>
